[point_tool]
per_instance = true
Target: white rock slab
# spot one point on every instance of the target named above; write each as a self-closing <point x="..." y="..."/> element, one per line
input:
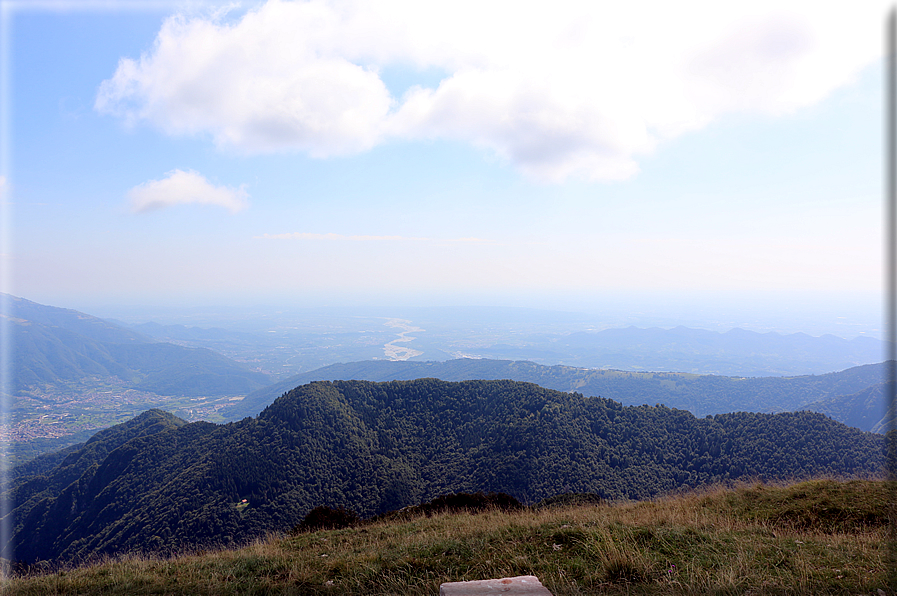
<point x="523" y="584"/>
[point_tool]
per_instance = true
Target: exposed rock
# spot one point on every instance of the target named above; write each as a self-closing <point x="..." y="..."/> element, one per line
<point x="524" y="584"/>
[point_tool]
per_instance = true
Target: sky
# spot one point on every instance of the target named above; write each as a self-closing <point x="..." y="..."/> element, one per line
<point x="685" y="157"/>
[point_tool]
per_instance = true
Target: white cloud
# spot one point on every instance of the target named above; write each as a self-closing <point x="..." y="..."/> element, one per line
<point x="260" y="85"/>
<point x="179" y="187"/>
<point x="570" y="89"/>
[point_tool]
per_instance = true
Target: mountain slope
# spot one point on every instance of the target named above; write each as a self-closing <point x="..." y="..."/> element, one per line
<point x="864" y="409"/>
<point x="374" y="447"/>
<point x="98" y="446"/>
<point x="700" y="394"/>
<point x="79" y="323"/>
<point x="47" y="475"/>
<point x="54" y="346"/>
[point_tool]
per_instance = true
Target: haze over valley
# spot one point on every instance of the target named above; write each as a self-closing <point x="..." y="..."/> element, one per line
<point x="75" y="373"/>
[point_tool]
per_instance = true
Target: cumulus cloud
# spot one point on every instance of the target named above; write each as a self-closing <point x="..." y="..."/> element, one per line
<point x="263" y="84"/>
<point x="570" y="89"/>
<point x="179" y="187"/>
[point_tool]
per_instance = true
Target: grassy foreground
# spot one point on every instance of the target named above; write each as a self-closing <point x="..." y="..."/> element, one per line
<point x="817" y="537"/>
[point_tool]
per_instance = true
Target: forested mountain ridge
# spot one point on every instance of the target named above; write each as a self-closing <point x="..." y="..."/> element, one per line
<point x="699" y="394"/>
<point x="55" y="345"/>
<point x="48" y="475"/>
<point x="374" y="447"/>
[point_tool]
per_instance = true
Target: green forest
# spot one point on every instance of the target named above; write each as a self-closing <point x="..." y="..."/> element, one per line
<point x="159" y="485"/>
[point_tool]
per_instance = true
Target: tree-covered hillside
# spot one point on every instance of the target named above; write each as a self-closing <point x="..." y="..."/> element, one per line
<point x="374" y="447"/>
<point x="47" y="475"/>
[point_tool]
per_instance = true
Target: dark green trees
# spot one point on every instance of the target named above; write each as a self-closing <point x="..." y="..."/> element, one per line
<point x="375" y="447"/>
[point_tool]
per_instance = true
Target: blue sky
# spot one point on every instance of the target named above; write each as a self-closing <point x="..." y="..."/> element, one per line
<point x="315" y="153"/>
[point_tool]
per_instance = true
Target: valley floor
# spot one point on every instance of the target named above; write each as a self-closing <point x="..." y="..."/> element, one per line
<point x="818" y="537"/>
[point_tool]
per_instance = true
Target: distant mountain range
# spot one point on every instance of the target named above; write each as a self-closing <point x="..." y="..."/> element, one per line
<point x="833" y="394"/>
<point x="158" y="485"/>
<point x="57" y="345"/>
<point x="736" y="352"/>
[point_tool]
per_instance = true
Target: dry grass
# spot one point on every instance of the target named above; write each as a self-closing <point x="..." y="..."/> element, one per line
<point x="751" y="540"/>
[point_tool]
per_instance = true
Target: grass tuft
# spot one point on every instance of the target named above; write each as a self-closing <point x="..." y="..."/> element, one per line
<point x="622" y="569"/>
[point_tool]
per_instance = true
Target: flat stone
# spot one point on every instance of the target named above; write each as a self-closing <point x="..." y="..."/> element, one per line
<point x="523" y="584"/>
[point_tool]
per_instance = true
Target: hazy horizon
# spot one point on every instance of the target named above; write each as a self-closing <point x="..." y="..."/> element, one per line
<point x="707" y="166"/>
<point x="814" y="319"/>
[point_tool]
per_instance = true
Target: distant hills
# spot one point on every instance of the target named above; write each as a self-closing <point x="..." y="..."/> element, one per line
<point x="864" y="409"/>
<point x="57" y="349"/>
<point x="700" y="394"/>
<point x="157" y="484"/>
<point x="736" y="352"/>
<point x="56" y="345"/>
<point x="289" y="346"/>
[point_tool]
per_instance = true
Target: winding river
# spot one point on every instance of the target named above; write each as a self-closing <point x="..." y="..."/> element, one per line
<point x="397" y="352"/>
